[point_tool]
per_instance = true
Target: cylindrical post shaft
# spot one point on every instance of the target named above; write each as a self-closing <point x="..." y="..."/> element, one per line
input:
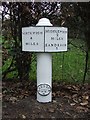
<point x="44" y="74"/>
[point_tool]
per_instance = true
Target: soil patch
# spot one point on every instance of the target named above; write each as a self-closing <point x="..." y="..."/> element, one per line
<point x="69" y="101"/>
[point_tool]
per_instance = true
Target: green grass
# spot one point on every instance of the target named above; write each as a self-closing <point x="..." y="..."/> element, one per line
<point x="0" y="57"/>
<point x="66" y="66"/>
<point x="33" y="73"/>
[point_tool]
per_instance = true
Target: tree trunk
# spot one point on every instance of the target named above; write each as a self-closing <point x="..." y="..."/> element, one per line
<point x="88" y="66"/>
<point x="23" y="62"/>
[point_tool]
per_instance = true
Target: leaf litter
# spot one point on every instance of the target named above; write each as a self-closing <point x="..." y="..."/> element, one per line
<point x="68" y="101"/>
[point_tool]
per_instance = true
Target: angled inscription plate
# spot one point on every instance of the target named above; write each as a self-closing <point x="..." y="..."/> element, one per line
<point x="44" y="39"/>
<point x="55" y="39"/>
<point x="33" y="39"/>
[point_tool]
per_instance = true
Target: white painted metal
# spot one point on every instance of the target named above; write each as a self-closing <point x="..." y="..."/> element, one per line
<point x="55" y="39"/>
<point x="44" y="68"/>
<point x="33" y="39"/>
<point x="44" y="38"/>
<point x="44" y="22"/>
<point x="44" y="74"/>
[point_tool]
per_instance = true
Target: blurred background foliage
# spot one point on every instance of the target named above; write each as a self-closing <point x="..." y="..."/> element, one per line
<point x="70" y="66"/>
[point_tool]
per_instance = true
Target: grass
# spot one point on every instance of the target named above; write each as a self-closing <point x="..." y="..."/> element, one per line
<point x="0" y="57"/>
<point x="66" y="66"/>
<point x="33" y="73"/>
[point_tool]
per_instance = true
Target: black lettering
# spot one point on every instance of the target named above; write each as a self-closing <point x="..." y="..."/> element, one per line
<point x="60" y="38"/>
<point x="62" y="44"/>
<point x="55" y="45"/>
<point x="33" y="32"/>
<point x="51" y="31"/>
<point x="51" y="44"/>
<point x="23" y="33"/>
<point x="32" y="43"/>
<point x="26" y="33"/>
<point x="30" y="37"/>
<point x="47" y="31"/>
<point x="56" y="48"/>
<point x="46" y="45"/>
<point x="58" y="31"/>
<point x="52" y="38"/>
<point x="36" y="43"/>
<point x="27" y="43"/>
<point x="57" y="34"/>
<point x="41" y="32"/>
<point x="37" y="33"/>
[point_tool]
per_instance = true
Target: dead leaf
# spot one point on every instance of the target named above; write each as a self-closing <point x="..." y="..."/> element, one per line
<point x="81" y="109"/>
<point x="5" y="91"/>
<point x="84" y="103"/>
<point x="67" y="96"/>
<point x="72" y="104"/>
<point x="68" y="113"/>
<point x="58" y="93"/>
<point x="23" y="116"/>
<point x="75" y="95"/>
<point x="69" y="87"/>
<point x="53" y="94"/>
<point x="85" y="97"/>
<point x="75" y="100"/>
<point x="54" y="101"/>
<point x="0" y="96"/>
<point x="13" y="99"/>
<point x="79" y="99"/>
<point x="75" y="88"/>
<point x="51" y="110"/>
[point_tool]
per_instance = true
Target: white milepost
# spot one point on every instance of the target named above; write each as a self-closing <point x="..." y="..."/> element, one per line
<point x="44" y="71"/>
<point x="43" y="39"/>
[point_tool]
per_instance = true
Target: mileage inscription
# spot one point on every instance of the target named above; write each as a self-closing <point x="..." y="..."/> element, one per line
<point x="44" y="89"/>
